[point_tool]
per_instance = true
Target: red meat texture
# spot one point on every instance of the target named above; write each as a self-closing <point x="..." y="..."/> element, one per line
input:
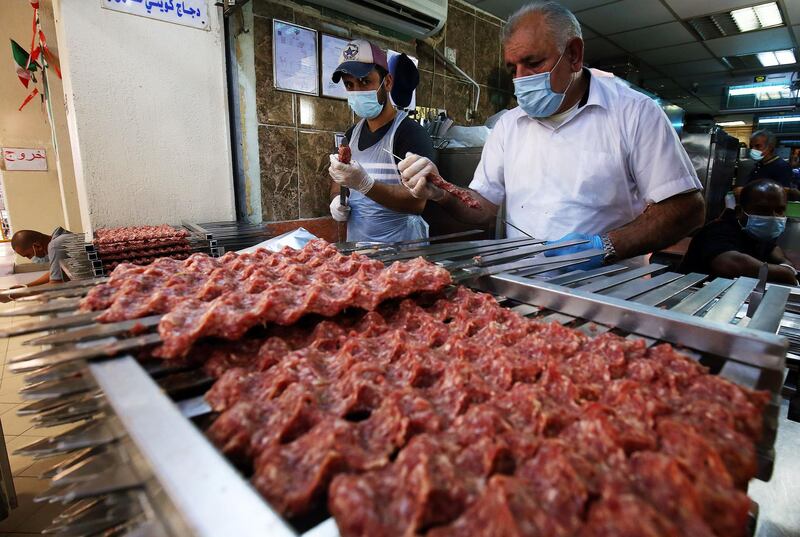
<point x="140" y="245"/>
<point x="106" y="236"/>
<point x="225" y="297"/>
<point x="459" y="417"/>
<point x="462" y="195"/>
<point x="345" y="154"/>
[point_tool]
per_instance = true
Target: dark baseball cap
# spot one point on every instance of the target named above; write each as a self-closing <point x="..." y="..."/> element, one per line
<point x="406" y="79"/>
<point x="359" y="58"/>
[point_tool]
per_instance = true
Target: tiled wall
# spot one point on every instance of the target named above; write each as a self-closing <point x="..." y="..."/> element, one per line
<point x="476" y="38"/>
<point x="296" y="131"/>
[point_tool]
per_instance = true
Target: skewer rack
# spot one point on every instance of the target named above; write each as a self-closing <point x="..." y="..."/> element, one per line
<point x="138" y="462"/>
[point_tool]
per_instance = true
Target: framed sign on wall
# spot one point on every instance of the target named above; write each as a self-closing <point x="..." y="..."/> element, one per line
<point x="294" y="58"/>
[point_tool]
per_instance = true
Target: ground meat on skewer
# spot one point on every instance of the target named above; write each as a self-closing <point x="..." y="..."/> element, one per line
<point x="460" y="417"/>
<point x="462" y="195"/>
<point x="240" y="292"/>
<point x="345" y="154"/>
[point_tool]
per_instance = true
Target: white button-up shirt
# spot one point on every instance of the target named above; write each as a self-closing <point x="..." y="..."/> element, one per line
<point x="593" y="173"/>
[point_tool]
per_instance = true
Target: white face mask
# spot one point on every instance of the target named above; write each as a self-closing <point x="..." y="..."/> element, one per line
<point x="39" y="258"/>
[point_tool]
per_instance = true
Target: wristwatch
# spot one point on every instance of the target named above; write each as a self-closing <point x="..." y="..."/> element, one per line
<point x="609" y="252"/>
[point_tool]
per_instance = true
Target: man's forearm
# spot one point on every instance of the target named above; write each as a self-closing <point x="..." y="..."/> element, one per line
<point x="483" y="217"/>
<point x="734" y="264"/>
<point x="660" y="225"/>
<point x="396" y="198"/>
<point x="41" y="280"/>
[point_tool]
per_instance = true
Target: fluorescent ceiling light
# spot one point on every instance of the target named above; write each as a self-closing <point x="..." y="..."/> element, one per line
<point x="768" y="59"/>
<point x="757" y="17"/>
<point x="757" y="90"/>
<point x="768" y="15"/>
<point x="745" y="19"/>
<point x="732" y="124"/>
<point x="780" y="119"/>
<point x="777" y="57"/>
<point x="785" y="57"/>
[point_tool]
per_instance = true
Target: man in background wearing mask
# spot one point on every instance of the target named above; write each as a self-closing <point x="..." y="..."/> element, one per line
<point x="379" y="208"/>
<point x="744" y="238"/>
<point x="583" y="156"/>
<point x="768" y="164"/>
<point x="41" y="248"/>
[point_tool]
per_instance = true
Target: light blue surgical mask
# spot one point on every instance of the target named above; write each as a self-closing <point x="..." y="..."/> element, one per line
<point x="756" y="155"/>
<point x="365" y="103"/>
<point x="765" y="228"/>
<point x="39" y="258"/>
<point x="535" y="94"/>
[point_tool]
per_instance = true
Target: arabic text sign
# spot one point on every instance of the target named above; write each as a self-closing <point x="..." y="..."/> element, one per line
<point x="192" y="13"/>
<point x="21" y="159"/>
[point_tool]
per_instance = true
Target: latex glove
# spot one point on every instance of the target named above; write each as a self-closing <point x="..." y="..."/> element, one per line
<point x="414" y="172"/>
<point x="595" y="242"/>
<point x="352" y="175"/>
<point x="339" y="212"/>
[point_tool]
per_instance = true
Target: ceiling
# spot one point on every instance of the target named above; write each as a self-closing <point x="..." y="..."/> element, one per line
<point x="651" y="43"/>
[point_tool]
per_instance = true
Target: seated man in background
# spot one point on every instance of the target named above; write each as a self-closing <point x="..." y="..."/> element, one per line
<point x="41" y="248"/>
<point x="744" y="238"/>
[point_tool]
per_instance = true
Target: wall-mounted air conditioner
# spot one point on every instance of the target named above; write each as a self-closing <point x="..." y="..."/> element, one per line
<point x="414" y="18"/>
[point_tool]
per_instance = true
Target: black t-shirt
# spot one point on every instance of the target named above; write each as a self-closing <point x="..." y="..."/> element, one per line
<point x="777" y="170"/>
<point x="409" y="137"/>
<point x="720" y="236"/>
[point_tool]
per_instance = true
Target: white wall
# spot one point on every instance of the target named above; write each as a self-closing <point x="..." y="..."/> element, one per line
<point x="148" y="116"/>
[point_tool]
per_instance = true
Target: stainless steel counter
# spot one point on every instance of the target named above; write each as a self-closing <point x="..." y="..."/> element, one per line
<point x="779" y="498"/>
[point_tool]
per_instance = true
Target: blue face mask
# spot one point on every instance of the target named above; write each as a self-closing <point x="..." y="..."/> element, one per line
<point x="365" y="103"/>
<point x="756" y="155"/>
<point x="765" y="228"/>
<point x="39" y="258"/>
<point x="535" y="95"/>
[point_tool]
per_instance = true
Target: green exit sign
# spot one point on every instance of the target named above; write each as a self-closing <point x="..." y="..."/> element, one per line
<point x="760" y="78"/>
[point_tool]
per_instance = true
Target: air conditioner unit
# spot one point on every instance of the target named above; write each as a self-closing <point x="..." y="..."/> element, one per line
<point x="414" y="18"/>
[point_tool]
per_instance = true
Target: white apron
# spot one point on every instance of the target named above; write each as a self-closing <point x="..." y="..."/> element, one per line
<point x="369" y="220"/>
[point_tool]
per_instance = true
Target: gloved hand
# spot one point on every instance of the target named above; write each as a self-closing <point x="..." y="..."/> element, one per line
<point x="595" y="242"/>
<point x="351" y="175"/>
<point x="339" y="212"/>
<point x="414" y="172"/>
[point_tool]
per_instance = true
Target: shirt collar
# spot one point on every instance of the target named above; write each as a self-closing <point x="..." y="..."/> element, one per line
<point x="602" y="86"/>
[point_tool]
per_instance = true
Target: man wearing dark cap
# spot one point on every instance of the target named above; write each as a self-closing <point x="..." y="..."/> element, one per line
<point x="379" y="208"/>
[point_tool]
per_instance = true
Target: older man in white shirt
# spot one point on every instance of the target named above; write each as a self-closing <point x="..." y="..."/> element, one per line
<point x="583" y="156"/>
